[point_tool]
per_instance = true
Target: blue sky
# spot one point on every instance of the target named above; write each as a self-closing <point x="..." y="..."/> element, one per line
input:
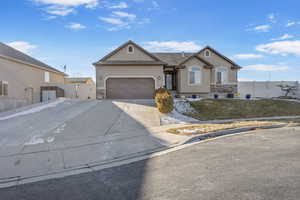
<point x="261" y="36"/>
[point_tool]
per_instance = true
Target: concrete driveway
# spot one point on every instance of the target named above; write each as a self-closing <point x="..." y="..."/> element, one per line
<point x="72" y="134"/>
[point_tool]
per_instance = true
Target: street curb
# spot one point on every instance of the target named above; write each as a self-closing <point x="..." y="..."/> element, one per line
<point x="91" y="167"/>
<point x="228" y="132"/>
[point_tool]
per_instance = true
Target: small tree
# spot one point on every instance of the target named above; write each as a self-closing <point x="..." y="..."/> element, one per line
<point x="288" y="89"/>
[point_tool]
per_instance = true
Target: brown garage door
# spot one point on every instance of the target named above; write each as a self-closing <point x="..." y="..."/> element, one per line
<point x="130" y="88"/>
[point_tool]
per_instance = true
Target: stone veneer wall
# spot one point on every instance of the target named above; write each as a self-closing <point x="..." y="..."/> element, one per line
<point x="223" y="88"/>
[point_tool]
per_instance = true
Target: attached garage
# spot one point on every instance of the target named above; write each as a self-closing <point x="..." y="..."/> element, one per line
<point x="130" y="88"/>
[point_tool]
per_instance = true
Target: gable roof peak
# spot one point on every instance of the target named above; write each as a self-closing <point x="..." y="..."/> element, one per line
<point x="124" y="45"/>
<point x="221" y="55"/>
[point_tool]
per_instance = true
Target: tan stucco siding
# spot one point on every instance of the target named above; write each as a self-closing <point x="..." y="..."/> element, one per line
<point x="105" y="72"/>
<point x="122" y="54"/>
<point x="218" y="61"/>
<point x="20" y="76"/>
<point x="185" y="87"/>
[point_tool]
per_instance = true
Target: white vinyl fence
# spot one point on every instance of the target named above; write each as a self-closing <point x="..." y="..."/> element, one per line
<point x="265" y="89"/>
<point x="78" y="91"/>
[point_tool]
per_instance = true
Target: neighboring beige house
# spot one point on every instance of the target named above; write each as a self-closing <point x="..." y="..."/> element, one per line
<point x="24" y="78"/>
<point x="79" y="80"/>
<point x="131" y="72"/>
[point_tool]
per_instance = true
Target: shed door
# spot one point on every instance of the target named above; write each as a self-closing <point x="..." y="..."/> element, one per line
<point x="49" y="95"/>
<point x="130" y="88"/>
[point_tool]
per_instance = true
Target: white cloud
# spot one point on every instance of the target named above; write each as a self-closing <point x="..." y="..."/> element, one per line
<point x="289" y="24"/>
<point x="247" y="56"/>
<point x="284" y="37"/>
<point x="244" y="79"/>
<point x="65" y="7"/>
<point x="74" y="3"/>
<point x="50" y="17"/>
<point x="125" y="15"/>
<point x="118" y="23"/>
<point x="120" y="5"/>
<point x="114" y="21"/>
<point x="266" y="68"/>
<point x="271" y="18"/>
<point x="75" y="26"/>
<point x="261" y="28"/>
<point x="172" y="46"/>
<point x="61" y="11"/>
<point x="281" y="47"/>
<point x="22" y="46"/>
<point x="155" y="4"/>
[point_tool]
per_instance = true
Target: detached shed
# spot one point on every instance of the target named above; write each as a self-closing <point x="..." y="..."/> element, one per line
<point x="49" y="93"/>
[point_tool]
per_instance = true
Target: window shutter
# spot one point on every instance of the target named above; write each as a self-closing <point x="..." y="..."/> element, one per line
<point x="1" y="88"/>
<point x="5" y="89"/>
<point x="219" y="77"/>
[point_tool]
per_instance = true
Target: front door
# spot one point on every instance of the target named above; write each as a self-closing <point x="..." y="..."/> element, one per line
<point x="169" y="81"/>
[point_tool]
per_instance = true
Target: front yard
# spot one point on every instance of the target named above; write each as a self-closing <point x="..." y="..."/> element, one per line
<point x="212" y="109"/>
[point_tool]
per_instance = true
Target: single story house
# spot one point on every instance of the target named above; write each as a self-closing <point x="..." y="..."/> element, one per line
<point x="26" y="79"/>
<point x="131" y="72"/>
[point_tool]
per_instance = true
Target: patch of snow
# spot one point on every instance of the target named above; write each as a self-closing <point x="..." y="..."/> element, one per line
<point x="191" y="131"/>
<point x="33" y="110"/>
<point x="194" y="99"/>
<point x="183" y="106"/>
<point x="35" y="140"/>
<point x="176" y="118"/>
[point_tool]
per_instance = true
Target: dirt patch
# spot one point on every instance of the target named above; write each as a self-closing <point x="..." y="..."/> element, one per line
<point x="206" y="128"/>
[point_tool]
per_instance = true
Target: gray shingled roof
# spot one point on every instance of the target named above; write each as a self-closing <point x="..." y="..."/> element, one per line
<point x="172" y="58"/>
<point x="130" y="62"/>
<point x="10" y="52"/>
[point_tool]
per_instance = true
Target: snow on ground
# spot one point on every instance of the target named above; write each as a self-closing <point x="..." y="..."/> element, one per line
<point x="182" y="106"/>
<point x="191" y="131"/>
<point x="176" y="116"/>
<point x="194" y="99"/>
<point x="34" y="109"/>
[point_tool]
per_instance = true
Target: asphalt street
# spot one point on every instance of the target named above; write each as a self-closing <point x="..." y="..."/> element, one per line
<point x="262" y="164"/>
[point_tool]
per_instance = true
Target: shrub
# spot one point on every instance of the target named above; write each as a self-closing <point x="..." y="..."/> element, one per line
<point x="164" y="100"/>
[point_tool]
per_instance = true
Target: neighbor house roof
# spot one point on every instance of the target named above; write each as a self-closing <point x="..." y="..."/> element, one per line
<point x="11" y="53"/>
<point x="78" y="79"/>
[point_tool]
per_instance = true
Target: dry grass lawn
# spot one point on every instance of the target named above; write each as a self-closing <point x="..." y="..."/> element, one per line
<point x="210" y="109"/>
<point x="206" y="128"/>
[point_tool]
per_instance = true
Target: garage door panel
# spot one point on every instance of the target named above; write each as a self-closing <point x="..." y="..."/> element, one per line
<point x="130" y="88"/>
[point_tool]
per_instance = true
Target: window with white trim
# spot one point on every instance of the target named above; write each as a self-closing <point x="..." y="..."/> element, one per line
<point x="47" y="77"/>
<point x="221" y="75"/>
<point x="207" y="53"/>
<point x="130" y="49"/>
<point x="3" y="88"/>
<point x="195" y="75"/>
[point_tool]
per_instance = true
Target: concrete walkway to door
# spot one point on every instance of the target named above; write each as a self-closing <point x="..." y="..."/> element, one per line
<point x="74" y="134"/>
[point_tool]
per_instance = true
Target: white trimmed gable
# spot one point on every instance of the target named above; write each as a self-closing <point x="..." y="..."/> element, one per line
<point x="125" y="55"/>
